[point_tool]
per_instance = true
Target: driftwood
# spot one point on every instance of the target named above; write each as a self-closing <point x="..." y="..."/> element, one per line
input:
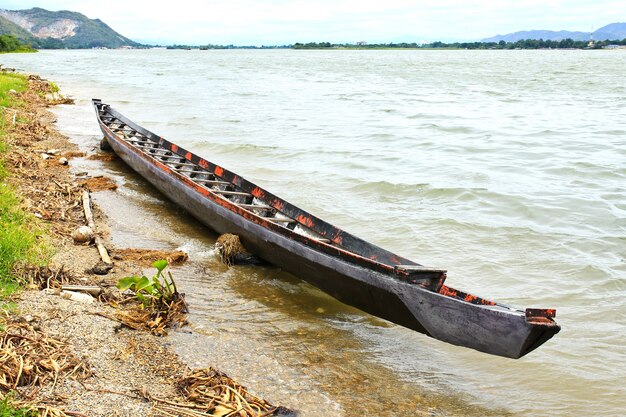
<point x="89" y="289"/>
<point x="102" y="250"/>
<point x="88" y="212"/>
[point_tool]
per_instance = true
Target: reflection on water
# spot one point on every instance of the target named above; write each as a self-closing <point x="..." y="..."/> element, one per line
<point x="270" y="329"/>
<point x="505" y="167"/>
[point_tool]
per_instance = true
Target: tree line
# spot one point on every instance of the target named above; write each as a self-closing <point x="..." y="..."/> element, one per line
<point x="529" y="44"/>
<point x="521" y="44"/>
<point x="8" y="43"/>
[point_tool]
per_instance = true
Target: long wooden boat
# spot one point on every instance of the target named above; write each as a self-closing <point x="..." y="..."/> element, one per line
<point x="348" y="268"/>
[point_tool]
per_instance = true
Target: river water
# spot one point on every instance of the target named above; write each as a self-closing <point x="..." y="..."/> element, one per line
<point x="508" y="168"/>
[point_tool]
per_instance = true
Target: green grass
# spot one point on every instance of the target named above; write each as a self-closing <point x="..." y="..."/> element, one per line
<point x="7" y="410"/>
<point x="8" y="82"/>
<point x="19" y="240"/>
<point x="20" y="237"/>
<point x="19" y="233"/>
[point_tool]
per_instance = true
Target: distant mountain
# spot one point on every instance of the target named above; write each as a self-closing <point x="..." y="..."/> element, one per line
<point x="613" y="31"/>
<point x="546" y="35"/>
<point x="63" y="29"/>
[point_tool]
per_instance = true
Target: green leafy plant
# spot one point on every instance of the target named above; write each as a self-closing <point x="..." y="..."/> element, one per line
<point x="160" y="289"/>
<point x="160" y="304"/>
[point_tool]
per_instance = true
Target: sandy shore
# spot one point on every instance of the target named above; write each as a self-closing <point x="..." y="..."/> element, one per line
<point x="122" y="370"/>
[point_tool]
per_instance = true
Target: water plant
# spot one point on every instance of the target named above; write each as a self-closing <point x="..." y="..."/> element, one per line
<point x="160" y="303"/>
<point x="159" y="289"/>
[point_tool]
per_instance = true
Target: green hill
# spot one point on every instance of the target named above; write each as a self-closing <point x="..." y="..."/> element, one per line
<point x="63" y="29"/>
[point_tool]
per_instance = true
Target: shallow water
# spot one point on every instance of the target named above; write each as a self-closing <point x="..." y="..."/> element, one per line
<point x="506" y="167"/>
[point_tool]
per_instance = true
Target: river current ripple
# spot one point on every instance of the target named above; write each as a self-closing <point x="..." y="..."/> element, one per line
<point x="508" y="168"/>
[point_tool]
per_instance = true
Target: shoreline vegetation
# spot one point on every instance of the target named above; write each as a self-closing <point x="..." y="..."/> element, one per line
<point x="18" y="232"/>
<point x="8" y="43"/>
<point x="502" y="45"/>
<point x="72" y="341"/>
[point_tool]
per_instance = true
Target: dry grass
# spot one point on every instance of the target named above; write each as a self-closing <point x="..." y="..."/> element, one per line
<point x="209" y="392"/>
<point x="31" y="362"/>
<point x="47" y="192"/>
<point x="155" y="321"/>
<point x="103" y="156"/>
<point x="99" y="183"/>
<point x="44" y="277"/>
<point x="19" y="408"/>
<point x="30" y="359"/>
<point x="145" y="257"/>
<point x="229" y="247"/>
<point x="73" y="154"/>
<point x="45" y="185"/>
<point x="59" y="100"/>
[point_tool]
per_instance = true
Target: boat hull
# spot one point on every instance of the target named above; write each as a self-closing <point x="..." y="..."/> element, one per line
<point x="498" y="331"/>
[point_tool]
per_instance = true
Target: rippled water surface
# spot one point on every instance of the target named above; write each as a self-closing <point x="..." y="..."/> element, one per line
<point x="506" y="167"/>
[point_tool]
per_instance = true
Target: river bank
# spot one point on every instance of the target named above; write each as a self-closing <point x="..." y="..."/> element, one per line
<point x="67" y="354"/>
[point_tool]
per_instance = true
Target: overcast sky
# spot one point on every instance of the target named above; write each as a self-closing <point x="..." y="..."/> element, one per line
<point x="247" y="22"/>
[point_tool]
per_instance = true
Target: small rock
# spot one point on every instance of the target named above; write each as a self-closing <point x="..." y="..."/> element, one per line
<point x="53" y="151"/>
<point x="104" y="145"/>
<point x="77" y="296"/>
<point x="83" y="234"/>
<point x="46" y="156"/>
<point x="102" y="268"/>
<point x="12" y="91"/>
<point x="24" y="319"/>
<point x="63" y="161"/>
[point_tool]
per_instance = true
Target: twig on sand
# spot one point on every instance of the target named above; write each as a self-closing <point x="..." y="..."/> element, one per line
<point x="104" y="255"/>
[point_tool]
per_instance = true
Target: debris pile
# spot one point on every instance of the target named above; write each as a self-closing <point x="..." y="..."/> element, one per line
<point x="43" y="277"/>
<point x="99" y="183"/>
<point x="31" y="130"/>
<point x="73" y="154"/>
<point x="49" y="91"/>
<point x="153" y="320"/>
<point x="209" y="392"/>
<point x="43" y="181"/>
<point x="232" y="252"/>
<point x="102" y="156"/>
<point x="155" y="302"/>
<point x="146" y="257"/>
<point x="31" y="359"/>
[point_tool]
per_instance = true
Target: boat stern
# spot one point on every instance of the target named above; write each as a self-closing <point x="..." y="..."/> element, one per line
<point x="475" y="323"/>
